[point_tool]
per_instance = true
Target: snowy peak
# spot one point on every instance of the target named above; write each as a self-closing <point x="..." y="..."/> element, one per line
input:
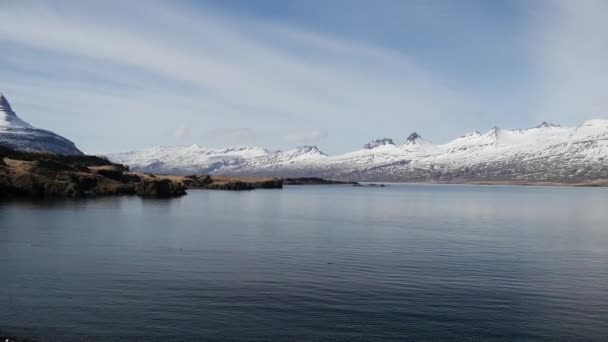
<point x="493" y="135"/>
<point x="378" y="142"/>
<point x="415" y="142"/>
<point x="19" y="135"/>
<point x="8" y="118"/>
<point x="5" y="107"/>
<point x="305" y="151"/>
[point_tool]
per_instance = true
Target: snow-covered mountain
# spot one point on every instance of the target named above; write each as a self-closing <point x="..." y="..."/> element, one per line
<point x="19" y="135"/>
<point x="544" y="153"/>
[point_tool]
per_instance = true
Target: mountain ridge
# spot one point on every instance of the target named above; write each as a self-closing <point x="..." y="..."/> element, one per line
<point x="547" y="152"/>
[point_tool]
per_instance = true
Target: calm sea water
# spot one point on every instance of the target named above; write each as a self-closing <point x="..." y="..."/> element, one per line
<point x="310" y="263"/>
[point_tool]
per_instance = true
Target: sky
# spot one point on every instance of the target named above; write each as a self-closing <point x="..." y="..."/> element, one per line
<point x="125" y="75"/>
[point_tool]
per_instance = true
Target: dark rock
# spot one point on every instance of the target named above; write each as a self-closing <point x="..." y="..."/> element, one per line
<point x="233" y="185"/>
<point x="51" y="165"/>
<point x="276" y="183"/>
<point x="372" y="185"/>
<point x="197" y="182"/>
<point x="162" y="188"/>
<point x="130" y="178"/>
<point x="111" y="172"/>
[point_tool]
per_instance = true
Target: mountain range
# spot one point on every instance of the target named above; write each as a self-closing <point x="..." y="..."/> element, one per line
<point x="545" y="153"/>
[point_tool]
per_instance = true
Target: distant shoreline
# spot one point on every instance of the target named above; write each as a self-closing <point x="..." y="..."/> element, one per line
<point x="584" y="184"/>
<point x="324" y="181"/>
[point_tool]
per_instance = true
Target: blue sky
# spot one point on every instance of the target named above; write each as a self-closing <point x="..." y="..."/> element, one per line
<point x="122" y="75"/>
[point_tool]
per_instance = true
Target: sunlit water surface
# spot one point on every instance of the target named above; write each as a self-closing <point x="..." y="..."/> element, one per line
<point x="310" y="263"/>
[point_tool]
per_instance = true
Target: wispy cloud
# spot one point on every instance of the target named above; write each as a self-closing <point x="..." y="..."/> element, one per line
<point x="97" y="78"/>
<point x="206" y="67"/>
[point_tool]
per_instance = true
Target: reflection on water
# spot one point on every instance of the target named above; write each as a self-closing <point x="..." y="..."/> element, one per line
<point x="405" y="262"/>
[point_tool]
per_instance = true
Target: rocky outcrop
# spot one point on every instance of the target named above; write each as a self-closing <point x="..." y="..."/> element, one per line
<point x="276" y="183"/>
<point x="235" y="185"/>
<point x="160" y="188"/>
<point x="196" y="181"/>
<point x="24" y="174"/>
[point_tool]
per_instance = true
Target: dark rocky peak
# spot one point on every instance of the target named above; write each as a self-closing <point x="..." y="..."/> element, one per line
<point x="413" y="139"/>
<point x="378" y="142"/>
<point x="545" y="124"/>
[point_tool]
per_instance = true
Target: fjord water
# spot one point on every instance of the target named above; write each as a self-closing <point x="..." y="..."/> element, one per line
<point x="335" y="263"/>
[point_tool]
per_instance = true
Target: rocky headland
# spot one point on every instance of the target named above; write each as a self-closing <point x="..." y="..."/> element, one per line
<point x="43" y="175"/>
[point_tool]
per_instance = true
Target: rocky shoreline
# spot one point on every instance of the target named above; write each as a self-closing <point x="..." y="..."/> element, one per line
<point x="41" y="175"/>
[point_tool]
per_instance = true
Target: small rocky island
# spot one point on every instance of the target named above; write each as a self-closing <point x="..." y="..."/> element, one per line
<point x="41" y="175"/>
